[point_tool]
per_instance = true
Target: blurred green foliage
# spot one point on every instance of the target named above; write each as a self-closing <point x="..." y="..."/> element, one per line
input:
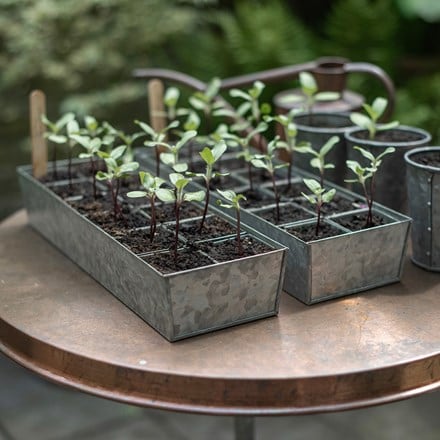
<point x="82" y="52"/>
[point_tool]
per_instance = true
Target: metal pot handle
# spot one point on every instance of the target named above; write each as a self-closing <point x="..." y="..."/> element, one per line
<point x="380" y="74"/>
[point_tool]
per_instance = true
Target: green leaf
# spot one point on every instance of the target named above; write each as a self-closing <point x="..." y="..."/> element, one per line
<point x="64" y="120"/>
<point x="379" y="105"/>
<point x="291" y="98"/>
<point x="196" y="196"/>
<point x="227" y="194"/>
<point x="192" y="122"/>
<point x="95" y="145"/>
<point x="171" y="96"/>
<point x="207" y="156"/>
<point x="315" y="163"/>
<point x="145" y="127"/>
<point x="365" y="153"/>
<point x="354" y="166"/>
<point x="129" y="167"/>
<point x="57" y="138"/>
<point x="219" y="149"/>
<point x="305" y="149"/>
<point x="136" y="194"/>
<point x="237" y="93"/>
<point x="388" y="126"/>
<point x="197" y="103"/>
<point x="327" y="197"/>
<point x="118" y="152"/>
<point x="72" y="127"/>
<point x="180" y="167"/>
<point x="173" y="124"/>
<point x="360" y="120"/>
<point x="329" y="166"/>
<point x="310" y="198"/>
<point x="308" y="83"/>
<point x="165" y="195"/>
<point x="388" y="150"/>
<point x="213" y="88"/>
<point x="91" y="123"/>
<point x="329" y="145"/>
<point x="258" y="163"/>
<point x="312" y="184"/>
<point x="100" y="175"/>
<point x="168" y="159"/>
<point x="188" y="135"/>
<point x="327" y="96"/>
<point x="84" y="155"/>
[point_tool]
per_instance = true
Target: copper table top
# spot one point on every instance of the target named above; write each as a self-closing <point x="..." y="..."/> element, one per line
<point x="361" y="350"/>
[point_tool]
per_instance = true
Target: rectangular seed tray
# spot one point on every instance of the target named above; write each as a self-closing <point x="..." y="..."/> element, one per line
<point x="332" y="267"/>
<point x="178" y="305"/>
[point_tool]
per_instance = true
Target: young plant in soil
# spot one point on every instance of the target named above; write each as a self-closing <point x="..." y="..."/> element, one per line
<point x="114" y="173"/>
<point x="92" y="147"/>
<point x="170" y="99"/>
<point x="210" y="157"/>
<point x="126" y="139"/>
<point x="206" y="101"/>
<point x="234" y="200"/>
<point x="266" y="161"/>
<point x="150" y="185"/>
<point x="156" y="138"/>
<point x="290" y="132"/>
<point x="365" y="176"/>
<point x="93" y="129"/>
<point x="318" y="197"/>
<point x="55" y="135"/>
<point x="369" y="122"/>
<point x="318" y="161"/>
<point x="244" y="144"/>
<point x="72" y="128"/>
<point x="171" y="158"/>
<point x="178" y="196"/>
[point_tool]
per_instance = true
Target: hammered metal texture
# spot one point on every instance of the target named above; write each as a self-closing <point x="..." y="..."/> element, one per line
<point x="325" y="125"/>
<point x="424" y="207"/>
<point x="156" y="298"/>
<point x="390" y="182"/>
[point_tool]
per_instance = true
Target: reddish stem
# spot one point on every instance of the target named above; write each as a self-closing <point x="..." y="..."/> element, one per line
<point x="156" y="149"/>
<point x="318" y="220"/>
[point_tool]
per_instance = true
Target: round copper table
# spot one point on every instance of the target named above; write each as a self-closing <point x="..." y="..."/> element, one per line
<point x="366" y="349"/>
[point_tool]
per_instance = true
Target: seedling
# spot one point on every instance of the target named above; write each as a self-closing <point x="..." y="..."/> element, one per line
<point x="318" y="161"/>
<point x="234" y="200"/>
<point x="374" y="112"/>
<point x="251" y="102"/>
<point x="72" y="128"/>
<point x="92" y="147"/>
<point x="244" y="144"/>
<point x="290" y="132"/>
<point x="365" y="174"/>
<point x="170" y="99"/>
<point x="150" y="185"/>
<point x="171" y="158"/>
<point x="126" y="139"/>
<point x="318" y="197"/>
<point x="93" y="130"/>
<point x="114" y="173"/>
<point x="156" y="138"/>
<point x="206" y="101"/>
<point x="210" y="156"/>
<point x="265" y="161"/>
<point x="178" y="196"/>
<point x="55" y="134"/>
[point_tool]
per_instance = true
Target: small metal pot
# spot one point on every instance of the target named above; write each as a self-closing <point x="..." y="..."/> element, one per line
<point x="423" y="183"/>
<point x="318" y="128"/>
<point x="390" y="181"/>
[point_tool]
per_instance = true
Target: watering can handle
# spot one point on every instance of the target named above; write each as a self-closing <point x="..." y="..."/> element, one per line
<point x="380" y="74"/>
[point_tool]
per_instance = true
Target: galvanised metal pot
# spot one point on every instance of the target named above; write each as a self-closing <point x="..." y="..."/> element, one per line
<point x="391" y="180"/>
<point x="423" y="183"/>
<point x="333" y="267"/>
<point x="318" y="128"/>
<point x="178" y="305"/>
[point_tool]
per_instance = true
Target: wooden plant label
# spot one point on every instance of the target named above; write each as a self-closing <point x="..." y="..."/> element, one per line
<point x="37" y="101"/>
<point x="156" y="105"/>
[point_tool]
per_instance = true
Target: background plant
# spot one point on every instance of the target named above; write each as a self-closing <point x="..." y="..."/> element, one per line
<point x="149" y="184"/>
<point x="114" y="173"/>
<point x="266" y="162"/>
<point x="318" y="197"/>
<point x="366" y="175"/>
<point x="178" y="195"/>
<point x="234" y="203"/>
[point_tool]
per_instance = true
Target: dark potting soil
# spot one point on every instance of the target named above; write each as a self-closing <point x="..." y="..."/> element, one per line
<point x="288" y="193"/>
<point x="288" y="213"/>
<point x="255" y="199"/>
<point x="76" y="189"/>
<point x="431" y="159"/>
<point x="307" y="233"/>
<point x="337" y="205"/>
<point x="228" y="250"/>
<point x="138" y="240"/>
<point x="165" y="212"/>
<point x="213" y="227"/>
<point x="391" y="136"/>
<point x="186" y="259"/>
<point x="357" y="222"/>
<point x="100" y="212"/>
